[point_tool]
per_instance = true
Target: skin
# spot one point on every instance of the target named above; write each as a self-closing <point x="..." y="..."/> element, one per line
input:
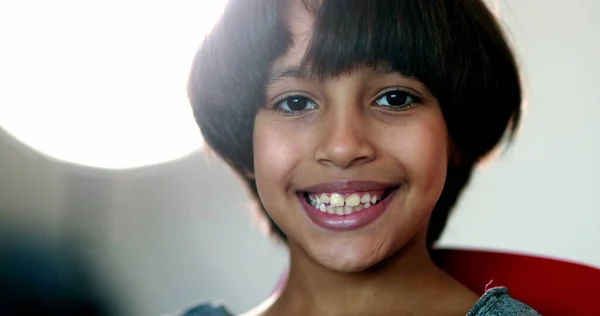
<point x="347" y="131"/>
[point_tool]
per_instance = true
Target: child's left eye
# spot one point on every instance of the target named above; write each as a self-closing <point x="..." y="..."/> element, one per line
<point x="396" y="100"/>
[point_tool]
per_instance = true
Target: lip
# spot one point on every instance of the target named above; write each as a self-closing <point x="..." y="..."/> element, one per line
<point x="347" y="186"/>
<point x="347" y="222"/>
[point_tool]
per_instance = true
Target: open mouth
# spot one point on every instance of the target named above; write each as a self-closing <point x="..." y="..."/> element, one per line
<point x="346" y="203"/>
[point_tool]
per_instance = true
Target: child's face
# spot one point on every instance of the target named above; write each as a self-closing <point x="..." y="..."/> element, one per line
<point x="366" y="132"/>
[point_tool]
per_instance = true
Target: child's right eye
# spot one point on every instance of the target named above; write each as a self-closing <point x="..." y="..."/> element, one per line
<point x="295" y="103"/>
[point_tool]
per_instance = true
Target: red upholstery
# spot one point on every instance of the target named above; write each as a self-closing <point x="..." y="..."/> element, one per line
<point x="552" y="287"/>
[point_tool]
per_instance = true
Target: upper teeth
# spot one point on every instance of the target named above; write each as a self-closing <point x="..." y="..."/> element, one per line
<point x="338" y="200"/>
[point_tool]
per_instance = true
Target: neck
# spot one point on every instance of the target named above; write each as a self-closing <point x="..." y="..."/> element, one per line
<point x="405" y="283"/>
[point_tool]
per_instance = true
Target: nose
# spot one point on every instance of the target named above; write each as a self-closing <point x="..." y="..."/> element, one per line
<point x="345" y="140"/>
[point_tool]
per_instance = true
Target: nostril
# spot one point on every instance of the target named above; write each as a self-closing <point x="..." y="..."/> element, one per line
<point x="345" y="147"/>
<point x="344" y="159"/>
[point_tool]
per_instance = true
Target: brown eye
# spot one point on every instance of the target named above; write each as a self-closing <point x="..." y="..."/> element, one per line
<point x="296" y="103"/>
<point x="396" y="100"/>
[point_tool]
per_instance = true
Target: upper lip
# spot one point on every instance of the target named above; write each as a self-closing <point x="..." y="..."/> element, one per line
<point x="348" y="186"/>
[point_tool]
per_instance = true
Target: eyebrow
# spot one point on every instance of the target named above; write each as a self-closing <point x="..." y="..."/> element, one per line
<point x="292" y="72"/>
<point x="297" y="73"/>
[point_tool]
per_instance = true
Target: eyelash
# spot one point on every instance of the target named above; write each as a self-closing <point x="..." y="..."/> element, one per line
<point x="290" y="112"/>
<point x="414" y="102"/>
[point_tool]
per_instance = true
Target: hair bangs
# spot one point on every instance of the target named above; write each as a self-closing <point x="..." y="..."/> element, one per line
<point x="402" y="36"/>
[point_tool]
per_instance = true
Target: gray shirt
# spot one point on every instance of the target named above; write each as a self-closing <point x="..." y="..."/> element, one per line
<point x="495" y="302"/>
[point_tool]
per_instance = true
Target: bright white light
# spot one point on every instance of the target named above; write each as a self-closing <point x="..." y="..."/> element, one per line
<point x="102" y="83"/>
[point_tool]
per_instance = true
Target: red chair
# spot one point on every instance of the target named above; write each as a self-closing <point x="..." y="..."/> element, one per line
<point x="550" y="286"/>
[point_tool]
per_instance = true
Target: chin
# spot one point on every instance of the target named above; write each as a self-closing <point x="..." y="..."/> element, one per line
<point x="351" y="259"/>
<point x="350" y="267"/>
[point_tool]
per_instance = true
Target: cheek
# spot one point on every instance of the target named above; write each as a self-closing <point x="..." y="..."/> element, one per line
<point x="275" y="155"/>
<point x="423" y="152"/>
<point x="430" y="156"/>
<point x="278" y="152"/>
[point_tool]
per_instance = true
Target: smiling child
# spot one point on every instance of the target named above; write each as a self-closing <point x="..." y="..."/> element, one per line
<point x="356" y="124"/>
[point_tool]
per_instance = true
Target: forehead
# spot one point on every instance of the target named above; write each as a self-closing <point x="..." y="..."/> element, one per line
<point x="301" y="24"/>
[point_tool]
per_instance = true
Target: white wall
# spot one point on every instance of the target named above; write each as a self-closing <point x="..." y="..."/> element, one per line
<point x="165" y="236"/>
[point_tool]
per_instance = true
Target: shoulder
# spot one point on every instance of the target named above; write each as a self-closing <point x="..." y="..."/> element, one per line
<point x="204" y="309"/>
<point x="497" y="302"/>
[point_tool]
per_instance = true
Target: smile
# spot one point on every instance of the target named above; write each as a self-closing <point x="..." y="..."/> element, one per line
<point x="346" y="205"/>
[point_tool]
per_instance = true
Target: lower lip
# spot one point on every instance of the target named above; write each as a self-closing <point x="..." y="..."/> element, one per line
<point x="346" y="222"/>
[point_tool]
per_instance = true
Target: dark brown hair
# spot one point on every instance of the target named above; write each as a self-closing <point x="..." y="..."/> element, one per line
<point x="455" y="47"/>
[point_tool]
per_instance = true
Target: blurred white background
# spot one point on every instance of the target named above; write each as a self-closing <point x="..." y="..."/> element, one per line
<point x="161" y="237"/>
